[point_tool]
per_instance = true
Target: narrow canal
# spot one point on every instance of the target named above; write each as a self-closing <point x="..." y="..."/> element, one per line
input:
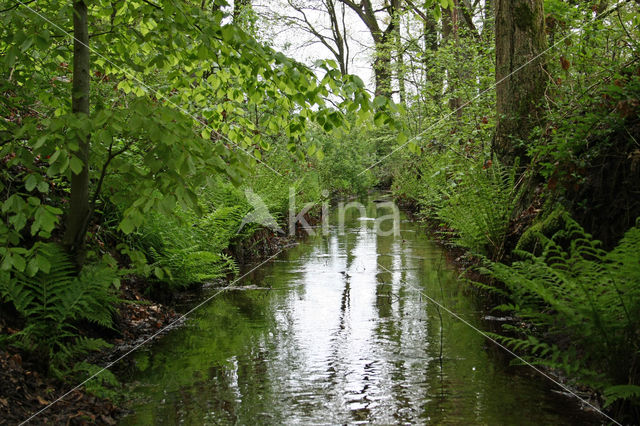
<point x="336" y="331"/>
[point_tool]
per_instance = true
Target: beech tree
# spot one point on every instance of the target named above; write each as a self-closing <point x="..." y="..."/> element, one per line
<point x="165" y="140"/>
<point x="383" y="37"/>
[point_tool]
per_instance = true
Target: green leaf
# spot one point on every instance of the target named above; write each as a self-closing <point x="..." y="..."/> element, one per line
<point x="43" y="263"/>
<point x="158" y="273"/>
<point x="18" y="262"/>
<point x="30" y="182"/>
<point x="76" y="164"/>
<point x="127" y="226"/>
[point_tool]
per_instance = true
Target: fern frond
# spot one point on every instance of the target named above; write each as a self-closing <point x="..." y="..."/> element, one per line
<point x="576" y="289"/>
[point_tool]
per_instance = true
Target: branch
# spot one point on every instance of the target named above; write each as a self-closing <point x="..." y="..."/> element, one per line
<point x="614" y="9"/>
<point x="111" y="155"/>
<point x="417" y="11"/>
<point x="466" y="14"/>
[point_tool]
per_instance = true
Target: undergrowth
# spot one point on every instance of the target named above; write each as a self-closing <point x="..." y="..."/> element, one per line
<point x="52" y="303"/>
<point x="580" y="306"/>
<point x="480" y="207"/>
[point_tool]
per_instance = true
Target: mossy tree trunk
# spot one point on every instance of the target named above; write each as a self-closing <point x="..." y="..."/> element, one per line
<point x="520" y="75"/>
<point x="400" y="67"/>
<point x="78" y="214"/>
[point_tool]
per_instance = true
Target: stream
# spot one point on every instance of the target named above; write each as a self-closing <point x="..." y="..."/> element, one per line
<point x="337" y="330"/>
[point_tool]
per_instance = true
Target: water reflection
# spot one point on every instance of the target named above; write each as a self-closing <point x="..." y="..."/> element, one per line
<point x="341" y="337"/>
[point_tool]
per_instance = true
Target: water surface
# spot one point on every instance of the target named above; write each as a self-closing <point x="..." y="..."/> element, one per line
<point x="340" y="333"/>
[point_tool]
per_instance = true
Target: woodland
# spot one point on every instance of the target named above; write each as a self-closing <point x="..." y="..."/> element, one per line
<point x="130" y="131"/>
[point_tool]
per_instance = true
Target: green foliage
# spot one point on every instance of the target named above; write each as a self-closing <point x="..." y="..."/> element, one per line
<point x="169" y="114"/>
<point x="595" y="95"/>
<point x="346" y="158"/>
<point x="480" y="208"/>
<point x="576" y="289"/>
<point x="189" y="250"/>
<point x="52" y="301"/>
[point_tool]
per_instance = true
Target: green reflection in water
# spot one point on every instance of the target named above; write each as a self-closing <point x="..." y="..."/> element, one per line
<point x="337" y="339"/>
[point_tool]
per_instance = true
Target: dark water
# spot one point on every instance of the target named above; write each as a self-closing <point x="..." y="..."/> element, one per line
<point x="337" y="339"/>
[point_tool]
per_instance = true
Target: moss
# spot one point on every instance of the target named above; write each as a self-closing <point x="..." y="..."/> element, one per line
<point x="547" y="226"/>
<point x="524" y="17"/>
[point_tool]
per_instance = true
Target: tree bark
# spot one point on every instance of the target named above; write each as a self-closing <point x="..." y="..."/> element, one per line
<point x="520" y="77"/>
<point x="432" y="70"/>
<point x="78" y="215"/>
<point x="487" y="19"/>
<point x="339" y="31"/>
<point x="400" y="68"/>
<point x="382" y="69"/>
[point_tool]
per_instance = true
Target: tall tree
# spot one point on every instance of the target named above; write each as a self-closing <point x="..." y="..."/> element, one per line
<point x="78" y="215"/>
<point x="383" y="37"/>
<point x="487" y="18"/>
<point x="450" y="34"/>
<point x="400" y="66"/>
<point x="521" y="79"/>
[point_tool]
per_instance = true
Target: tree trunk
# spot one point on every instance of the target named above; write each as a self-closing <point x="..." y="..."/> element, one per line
<point x="382" y="40"/>
<point x="400" y="69"/>
<point x="520" y="77"/>
<point x="432" y="70"/>
<point x="450" y="22"/>
<point x="337" y="18"/>
<point x="487" y="19"/>
<point x="78" y="215"/>
<point x="382" y="70"/>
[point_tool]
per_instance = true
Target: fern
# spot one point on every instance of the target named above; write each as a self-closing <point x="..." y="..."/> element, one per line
<point x="53" y="302"/>
<point x="480" y="208"/>
<point x="576" y="289"/>
<point x="190" y="248"/>
<point x="614" y="393"/>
